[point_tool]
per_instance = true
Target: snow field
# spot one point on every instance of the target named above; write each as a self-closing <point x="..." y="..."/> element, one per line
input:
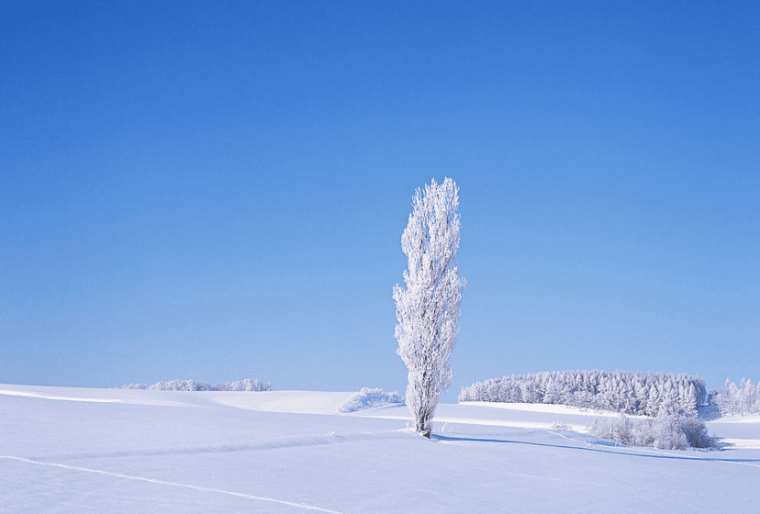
<point x="204" y="452"/>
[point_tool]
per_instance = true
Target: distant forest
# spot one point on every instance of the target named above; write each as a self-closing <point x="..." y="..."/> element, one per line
<point x="192" y="385"/>
<point x="635" y="393"/>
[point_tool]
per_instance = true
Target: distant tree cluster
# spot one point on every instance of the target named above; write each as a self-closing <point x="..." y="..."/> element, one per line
<point x="636" y="393"/>
<point x="667" y="431"/>
<point x="736" y="400"/>
<point x="367" y="398"/>
<point x="192" y="385"/>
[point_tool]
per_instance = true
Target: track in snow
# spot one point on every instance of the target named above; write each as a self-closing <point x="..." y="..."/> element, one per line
<point x="174" y="484"/>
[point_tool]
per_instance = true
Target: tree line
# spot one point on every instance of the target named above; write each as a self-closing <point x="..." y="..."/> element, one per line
<point x="635" y="393"/>
<point x="192" y="385"/>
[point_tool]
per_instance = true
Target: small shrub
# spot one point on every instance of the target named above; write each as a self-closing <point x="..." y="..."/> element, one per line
<point x="368" y="398"/>
<point x="667" y="431"/>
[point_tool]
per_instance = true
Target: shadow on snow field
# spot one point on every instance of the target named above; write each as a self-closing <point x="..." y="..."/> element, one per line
<point x="444" y="438"/>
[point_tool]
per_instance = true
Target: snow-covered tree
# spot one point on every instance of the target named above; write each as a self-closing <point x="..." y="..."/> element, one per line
<point x="427" y="310"/>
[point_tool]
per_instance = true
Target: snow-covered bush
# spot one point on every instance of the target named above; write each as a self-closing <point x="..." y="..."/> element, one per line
<point x="191" y="385"/>
<point x="368" y="398"/>
<point x="665" y="432"/>
<point x="696" y="432"/>
<point x="732" y="399"/>
<point x="428" y="309"/>
<point x="628" y="392"/>
<point x="181" y="385"/>
<point x="244" y="385"/>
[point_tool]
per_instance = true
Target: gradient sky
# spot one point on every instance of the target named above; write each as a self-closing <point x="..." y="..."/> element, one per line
<point x="217" y="190"/>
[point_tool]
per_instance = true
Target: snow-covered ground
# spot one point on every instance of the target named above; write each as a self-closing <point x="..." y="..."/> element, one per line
<point x="116" y="450"/>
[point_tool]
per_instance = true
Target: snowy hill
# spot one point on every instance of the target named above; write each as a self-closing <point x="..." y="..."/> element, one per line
<point x="140" y="451"/>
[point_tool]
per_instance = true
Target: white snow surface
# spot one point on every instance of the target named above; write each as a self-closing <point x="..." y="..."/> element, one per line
<point x="75" y="450"/>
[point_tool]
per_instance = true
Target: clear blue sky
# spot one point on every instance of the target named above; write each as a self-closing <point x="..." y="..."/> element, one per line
<point x="217" y="190"/>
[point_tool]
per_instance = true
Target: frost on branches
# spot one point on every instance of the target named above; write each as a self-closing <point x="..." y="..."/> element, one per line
<point x="428" y="309"/>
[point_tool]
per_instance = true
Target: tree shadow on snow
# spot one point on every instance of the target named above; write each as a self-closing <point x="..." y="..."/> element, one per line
<point x="444" y="438"/>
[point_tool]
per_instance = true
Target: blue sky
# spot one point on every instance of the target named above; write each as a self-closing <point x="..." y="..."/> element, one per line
<point x="217" y="190"/>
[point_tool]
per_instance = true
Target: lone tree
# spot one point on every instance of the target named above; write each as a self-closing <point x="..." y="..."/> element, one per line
<point x="428" y="309"/>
